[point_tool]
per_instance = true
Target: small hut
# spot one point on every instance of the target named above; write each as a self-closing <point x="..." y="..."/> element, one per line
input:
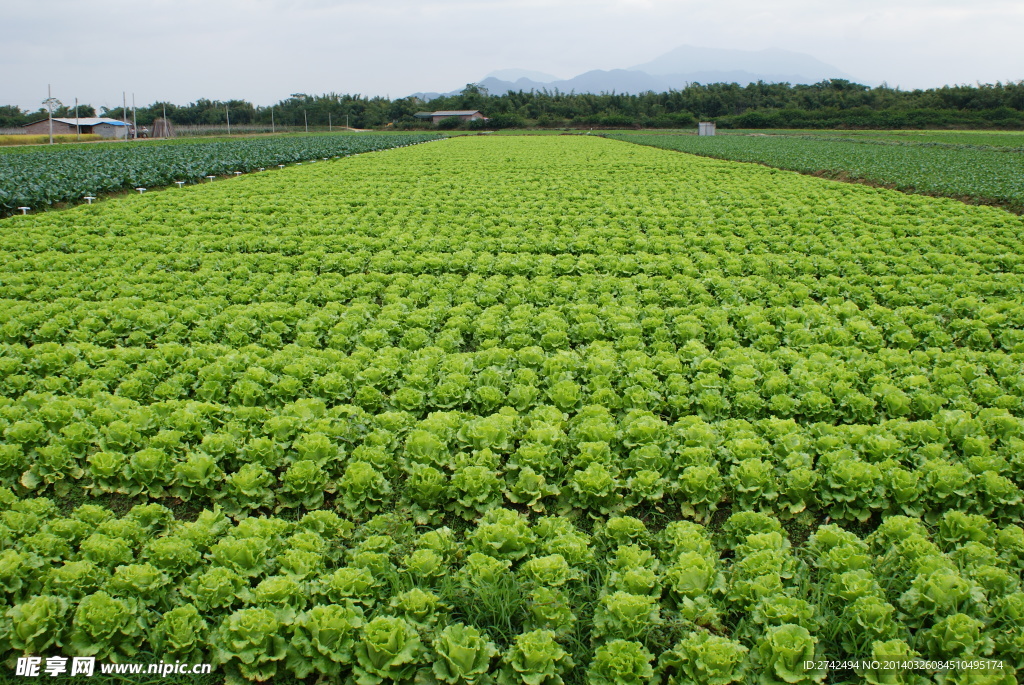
<point x="162" y="128"/>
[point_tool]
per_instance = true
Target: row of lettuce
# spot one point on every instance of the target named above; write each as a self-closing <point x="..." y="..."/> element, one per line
<point x="525" y="600"/>
<point x="42" y="178"/>
<point x="406" y="320"/>
<point x="974" y="172"/>
<point x="556" y="455"/>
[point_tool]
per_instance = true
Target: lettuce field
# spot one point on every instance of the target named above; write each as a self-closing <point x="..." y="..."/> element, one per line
<point x="978" y="168"/>
<point x="521" y="411"/>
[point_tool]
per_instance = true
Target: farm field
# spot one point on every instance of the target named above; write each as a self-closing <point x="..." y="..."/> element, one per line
<point x="41" y="178"/>
<point x="531" y="409"/>
<point x="1007" y="140"/>
<point x="981" y="173"/>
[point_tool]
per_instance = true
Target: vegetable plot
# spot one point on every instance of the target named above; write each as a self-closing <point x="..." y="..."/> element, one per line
<point x="979" y="173"/>
<point x="517" y="410"/>
<point x="40" y="178"/>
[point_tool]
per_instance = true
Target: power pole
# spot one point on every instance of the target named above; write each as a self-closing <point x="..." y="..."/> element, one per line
<point x="135" y="121"/>
<point x="78" y="126"/>
<point x="49" y="108"/>
<point x="272" y="129"/>
<point x="305" y="119"/>
<point x="51" y="102"/>
<point x="124" y="113"/>
<point x="329" y="127"/>
<point x="166" y="128"/>
<point x="227" y="113"/>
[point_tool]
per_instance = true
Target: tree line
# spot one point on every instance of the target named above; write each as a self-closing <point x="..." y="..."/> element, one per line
<point x="833" y="103"/>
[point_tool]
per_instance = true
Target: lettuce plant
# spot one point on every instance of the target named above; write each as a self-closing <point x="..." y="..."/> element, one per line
<point x="363" y="490"/>
<point x="427" y="489"/>
<point x="940" y="592"/>
<point x="502" y="534"/>
<point x="866" y="620"/>
<point x="248" y="489"/>
<point x="552" y="571"/>
<point x="181" y="633"/>
<point x="350" y="585"/>
<point x="595" y="491"/>
<point x="753" y="484"/>
<point x="473" y="490"/>
<point x="621" y="662"/>
<point x="700" y="489"/>
<point x="37" y="625"/>
<point x="303" y="485"/>
<point x="247" y="556"/>
<point x="894" y="650"/>
<point x="216" y="588"/>
<point x="534" y="658"/>
<point x="420" y="608"/>
<point x="463" y="655"/>
<point x="955" y="636"/>
<point x="621" y="614"/>
<point x="107" y="628"/>
<point x="388" y="651"/>
<point x="143" y="582"/>
<point x="701" y="658"/>
<point x="550" y="609"/>
<point x="781" y="653"/>
<point x="249" y="642"/>
<point x="199" y="477"/>
<point x="322" y="640"/>
<point x="530" y="488"/>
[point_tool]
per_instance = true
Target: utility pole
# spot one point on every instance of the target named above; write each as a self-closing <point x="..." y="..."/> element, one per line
<point x="135" y="121"/>
<point x="124" y="113"/>
<point x="346" y="121"/>
<point x="272" y="129"/>
<point x="49" y="108"/>
<point x="227" y="113"/>
<point x="51" y="102"/>
<point x="305" y="119"/>
<point x="78" y="126"/>
<point x="329" y="127"/>
<point x="166" y="128"/>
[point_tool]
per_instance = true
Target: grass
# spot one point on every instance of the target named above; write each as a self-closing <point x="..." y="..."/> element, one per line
<point x="44" y="139"/>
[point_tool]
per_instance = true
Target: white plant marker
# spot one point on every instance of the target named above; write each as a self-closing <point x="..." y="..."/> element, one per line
<point x="24" y="210"/>
<point x="280" y="166"/>
<point x="180" y="183"/>
<point x="238" y="173"/>
<point x="89" y="198"/>
<point x="141" y="190"/>
<point x="211" y="178"/>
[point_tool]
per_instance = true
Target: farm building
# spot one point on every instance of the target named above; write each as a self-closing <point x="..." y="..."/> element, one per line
<point x="101" y="126"/>
<point x="463" y="114"/>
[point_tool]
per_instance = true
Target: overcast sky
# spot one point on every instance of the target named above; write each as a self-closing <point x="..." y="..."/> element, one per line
<point x="263" y="50"/>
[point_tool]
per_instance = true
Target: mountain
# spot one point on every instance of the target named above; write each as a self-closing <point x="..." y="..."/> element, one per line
<point x="769" y="65"/>
<point x="516" y="74"/>
<point x="673" y="70"/>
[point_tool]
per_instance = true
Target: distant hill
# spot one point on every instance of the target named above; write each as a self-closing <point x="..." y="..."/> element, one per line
<point x="773" y="65"/>
<point x="516" y="74"/>
<point x="672" y="71"/>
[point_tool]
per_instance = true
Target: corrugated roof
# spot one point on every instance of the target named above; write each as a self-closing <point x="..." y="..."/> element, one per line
<point x="456" y="113"/>
<point x="90" y="121"/>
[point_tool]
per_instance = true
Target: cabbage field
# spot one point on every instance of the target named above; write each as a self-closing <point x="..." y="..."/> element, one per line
<point x="43" y="177"/>
<point x="517" y="410"/>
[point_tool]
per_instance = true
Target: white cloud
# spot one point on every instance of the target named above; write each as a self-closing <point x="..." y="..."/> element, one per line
<point x="262" y="50"/>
